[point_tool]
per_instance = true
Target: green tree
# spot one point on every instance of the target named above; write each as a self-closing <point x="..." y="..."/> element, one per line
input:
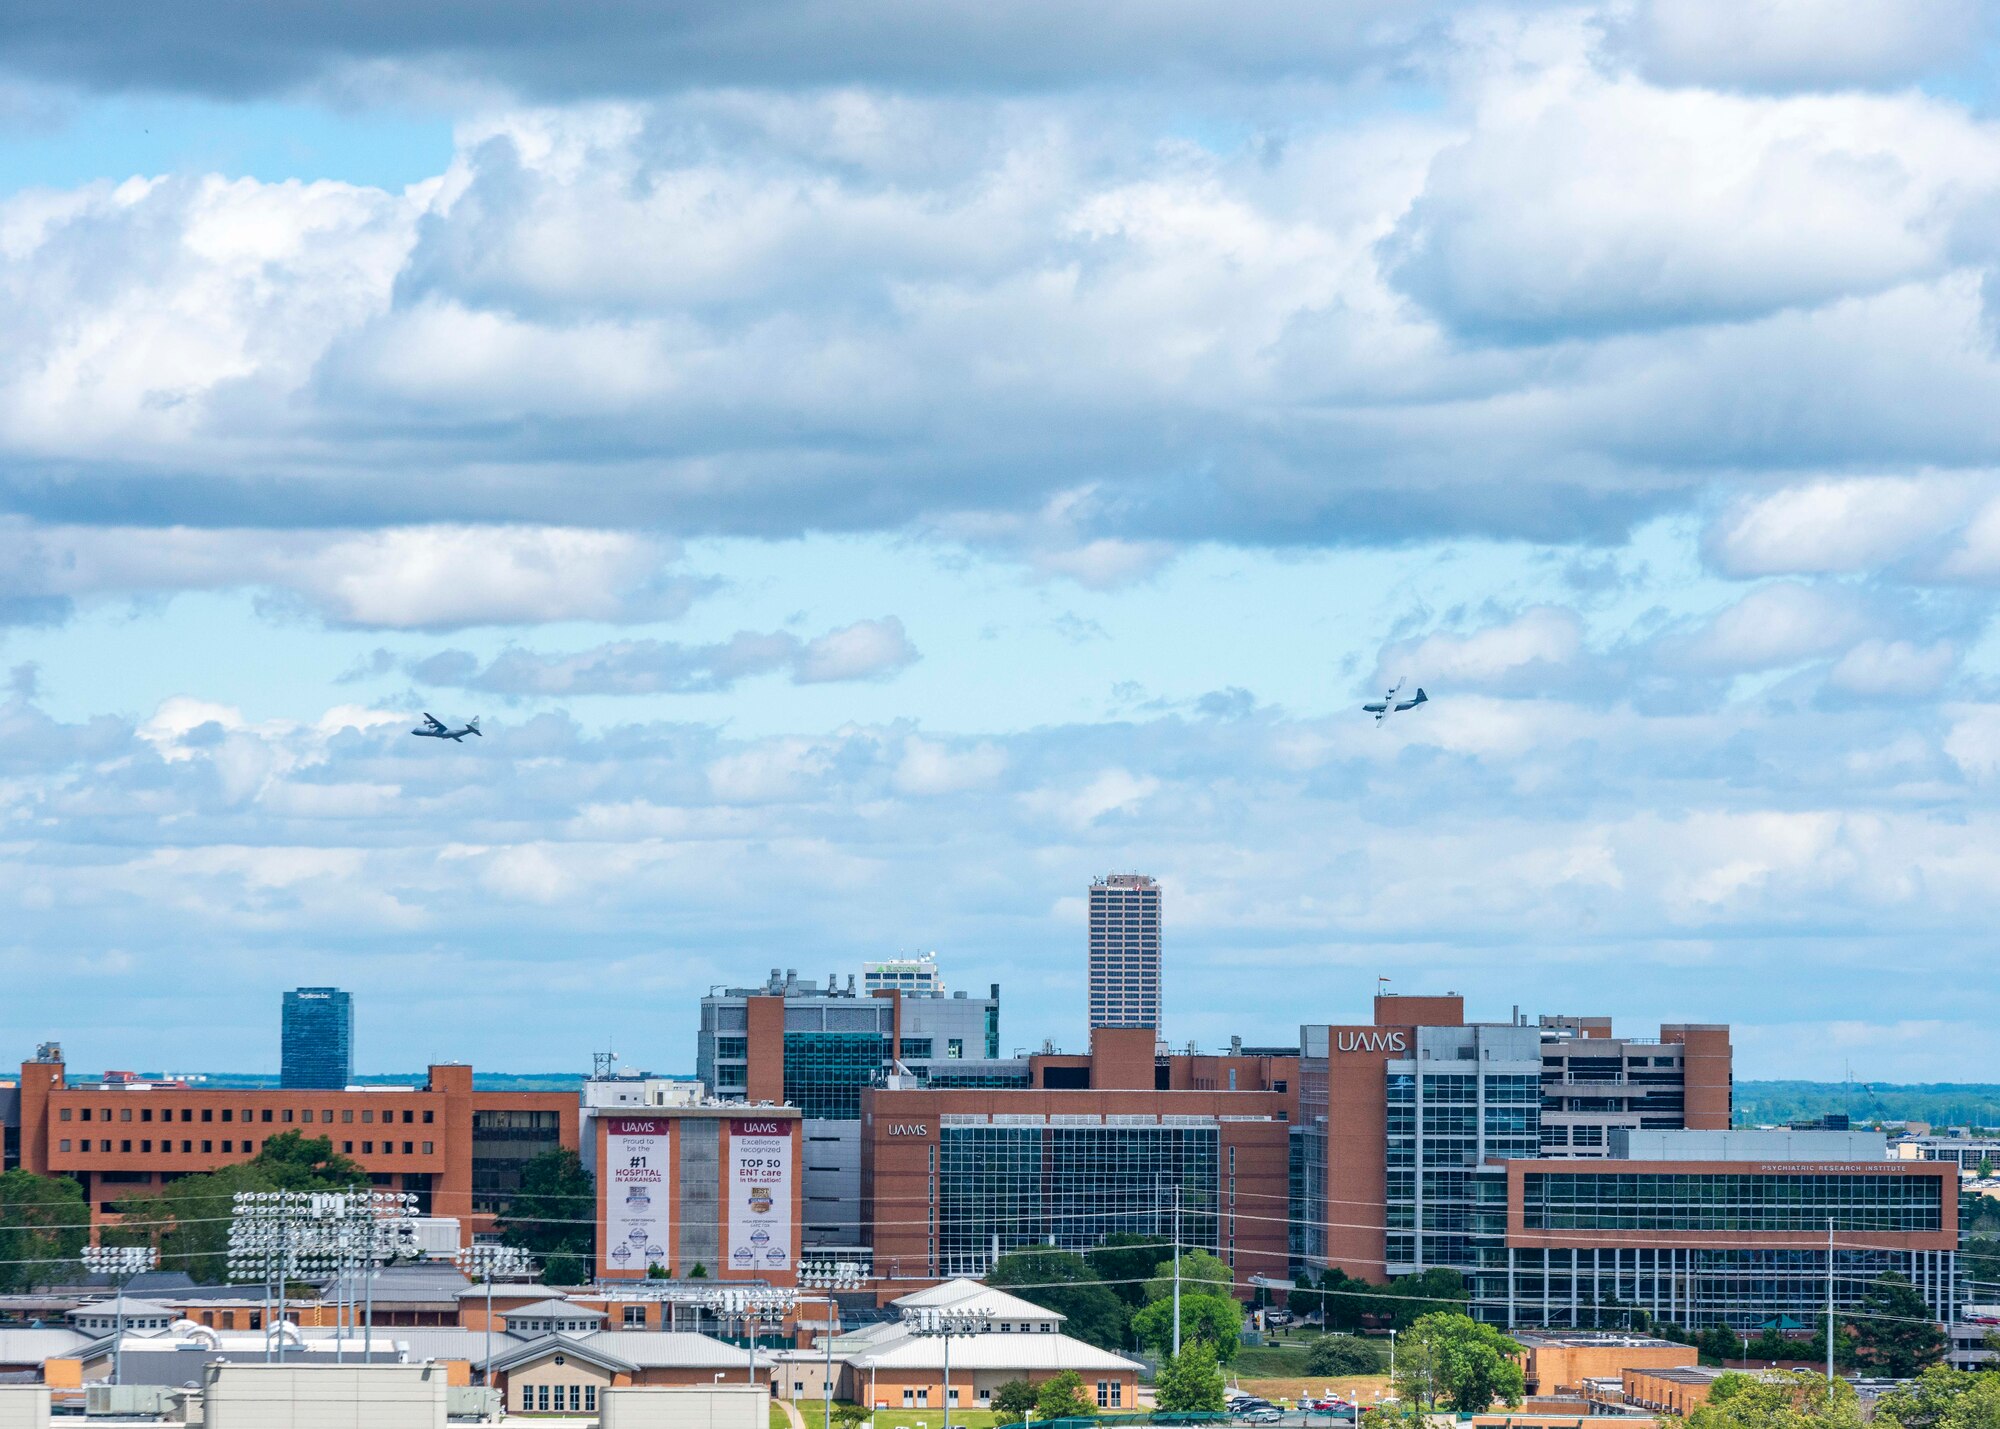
<point x="295" y="1162"/>
<point x="1190" y="1382"/>
<point x="1012" y="1401"/>
<point x="698" y="1271"/>
<point x="1942" y="1398"/>
<point x="1062" y="1281"/>
<point x="1719" y="1344"/>
<point x="657" y="1271"/>
<point x="847" y="1415"/>
<point x="188" y="1219"/>
<point x="1215" y="1320"/>
<point x="1894" y="1332"/>
<point x="1342" y="1354"/>
<point x="1062" y="1397"/>
<point x="44" y="1224"/>
<point x="1452" y="1359"/>
<point x="1342" y="1299"/>
<point x="1777" y="1400"/>
<point x="1201" y="1273"/>
<point x="1414" y="1296"/>
<point x="554" y="1214"/>
<point x="1126" y="1260"/>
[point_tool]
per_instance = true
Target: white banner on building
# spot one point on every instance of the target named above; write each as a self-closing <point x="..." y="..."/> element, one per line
<point x="637" y="1152"/>
<point x="760" y="1195"/>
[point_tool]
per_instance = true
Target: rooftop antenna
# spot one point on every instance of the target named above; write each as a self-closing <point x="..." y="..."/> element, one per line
<point x="601" y="1064"/>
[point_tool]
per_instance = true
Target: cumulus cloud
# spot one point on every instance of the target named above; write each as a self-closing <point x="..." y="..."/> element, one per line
<point x="1835" y="525"/>
<point x="1895" y="668"/>
<point x="409" y="578"/>
<point x="1795" y="44"/>
<point x="1589" y="204"/>
<point x="1774" y="626"/>
<point x="1514" y="653"/>
<point x="865" y="650"/>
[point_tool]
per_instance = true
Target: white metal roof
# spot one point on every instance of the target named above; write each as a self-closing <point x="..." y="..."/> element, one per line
<point x="993" y="1351"/>
<point x="971" y="1295"/>
<point x="679" y="1349"/>
<point x="34" y="1346"/>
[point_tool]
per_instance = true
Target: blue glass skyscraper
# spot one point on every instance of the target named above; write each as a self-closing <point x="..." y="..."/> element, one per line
<point x="318" y="1049"/>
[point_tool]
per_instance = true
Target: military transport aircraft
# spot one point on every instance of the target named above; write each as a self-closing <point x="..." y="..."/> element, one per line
<point x="435" y="729"/>
<point x="1389" y="704"/>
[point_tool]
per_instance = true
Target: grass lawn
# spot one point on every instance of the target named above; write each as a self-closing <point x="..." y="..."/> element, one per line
<point x="1270" y="1361"/>
<point x="1361" y="1388"/>
<point x="812" y="1411"/>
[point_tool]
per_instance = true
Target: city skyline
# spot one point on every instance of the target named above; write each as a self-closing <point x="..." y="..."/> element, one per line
<point x="867" y="496"/>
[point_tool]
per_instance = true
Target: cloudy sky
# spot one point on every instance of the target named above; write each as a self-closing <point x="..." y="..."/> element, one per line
<point x="875" y="465"/>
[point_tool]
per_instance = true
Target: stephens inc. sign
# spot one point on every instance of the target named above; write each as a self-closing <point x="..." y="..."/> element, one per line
<point x="1356" y="1039"/>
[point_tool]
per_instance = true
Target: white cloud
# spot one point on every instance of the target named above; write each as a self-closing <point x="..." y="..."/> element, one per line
<point x="865" y="650"/>
<point x="1111" y="791"/>
<point x="1537" y="641"/>
<point x="1584" y="203"/>
<point x="1795" y="43"/>
<point x="1775" y="626"/>
<point x="1894" y="667"/>
<point x="399" y="577"/>
<point x="1834" y="525"/>
<point x="929" y="767"/>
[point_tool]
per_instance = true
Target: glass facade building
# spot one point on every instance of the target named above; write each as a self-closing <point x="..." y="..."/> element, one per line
<point x="1004" y="1187"/>
<point x="1125" y="951"/>
<point x="317" y="1041"/>
<point x="1700" y="1246"/>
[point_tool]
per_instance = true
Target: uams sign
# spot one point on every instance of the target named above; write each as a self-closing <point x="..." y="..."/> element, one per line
<point x="1371" y="1041"/>
<point x="908" y="1128"/>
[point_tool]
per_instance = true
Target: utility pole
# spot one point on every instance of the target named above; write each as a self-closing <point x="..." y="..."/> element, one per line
<point x="1829" y="1309"/>
<point x="1177" y="1270"/>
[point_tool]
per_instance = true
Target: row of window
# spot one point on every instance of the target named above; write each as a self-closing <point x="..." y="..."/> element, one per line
<point x="559" y="1398"/>
<point x="1748" y="1202"/>
<point x="229" y="1147"/>
<point x="208" y="1113"/>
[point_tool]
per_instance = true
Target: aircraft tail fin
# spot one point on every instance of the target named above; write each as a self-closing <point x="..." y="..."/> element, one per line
<point x="1422" y="698"/>
<point x="472" y="725"/>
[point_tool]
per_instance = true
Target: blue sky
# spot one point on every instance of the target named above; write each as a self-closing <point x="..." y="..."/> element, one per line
<point x="874" y="469"/>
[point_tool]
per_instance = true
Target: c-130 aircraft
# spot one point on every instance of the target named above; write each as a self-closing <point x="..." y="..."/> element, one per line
<point x="435" y="728"/>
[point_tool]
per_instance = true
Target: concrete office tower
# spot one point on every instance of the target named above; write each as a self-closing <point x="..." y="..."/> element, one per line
<point x="318" y="1053"/>
<point x="1125" y="951"/>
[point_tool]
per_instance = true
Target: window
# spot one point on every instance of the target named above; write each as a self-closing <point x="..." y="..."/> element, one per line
<point x="145" y="1113"/>
<point x="145" y="1146"/>
<point x="288" y="1114"/>
<point x="187" y="1113"/>
<point x="589" y="1390"/>
<point x="208" y="1113"/>
<point x="635" y="1315"/>
<point x="346" y="1148"/>
<point x="125" y="1146"/>
<point x="266" y="1116"/>
<point x="63" y="1114"/>
<point x="408" y="1117"/>
<point x="542" y="1394"/>
<point x="528" y="1398"/>
<point x="186" y="1147"/>
<point x="207" y="1147"/>
<point x="367" y="1148"/>
<point x="408" y="1149"/>
<point x="427" y="1147"/>
<point x="63" y="1145"/>
<point x="124" y="1113"/>
<point x="910" y="1398"/>
<point x="368" y="1116"/>
<point x="227" y="1147"/>
<point x="347" y="1113"/>
<point x="427" y="1118"/>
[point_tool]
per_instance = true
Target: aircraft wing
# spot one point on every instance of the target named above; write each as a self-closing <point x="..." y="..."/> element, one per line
<point x="1421" y="699"/>
<point x="433" y="723"/>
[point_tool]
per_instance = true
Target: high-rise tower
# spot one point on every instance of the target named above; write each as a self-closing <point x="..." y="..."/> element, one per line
<point x="318" y="1051"/>
<point x="1125" y="951"/>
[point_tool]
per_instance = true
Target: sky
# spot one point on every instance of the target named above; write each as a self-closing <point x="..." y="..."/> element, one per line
<point x="874" y="468"/>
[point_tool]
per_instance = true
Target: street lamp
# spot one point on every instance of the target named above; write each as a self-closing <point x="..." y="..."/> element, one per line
<point x="943" y="1323"/>
<point x="489" y="1262"/>
<point x="120" y="1263"/>
<point x="276" y="1237"/>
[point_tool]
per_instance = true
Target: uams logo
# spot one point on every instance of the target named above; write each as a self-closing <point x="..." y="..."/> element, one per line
<point x="1371" y="1042"/>
<point x="908" y="1128"/>
<point x="760" y="1128"/>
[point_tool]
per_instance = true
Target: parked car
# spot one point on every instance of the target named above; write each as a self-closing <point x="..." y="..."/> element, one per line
<point x="1260" y="1414"/>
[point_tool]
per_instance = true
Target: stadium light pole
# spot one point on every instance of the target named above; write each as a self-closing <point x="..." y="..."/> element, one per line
<point x="490" y="1262"/>
<point x="120" y="1263"/>
<point x="943" y="1323"/>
